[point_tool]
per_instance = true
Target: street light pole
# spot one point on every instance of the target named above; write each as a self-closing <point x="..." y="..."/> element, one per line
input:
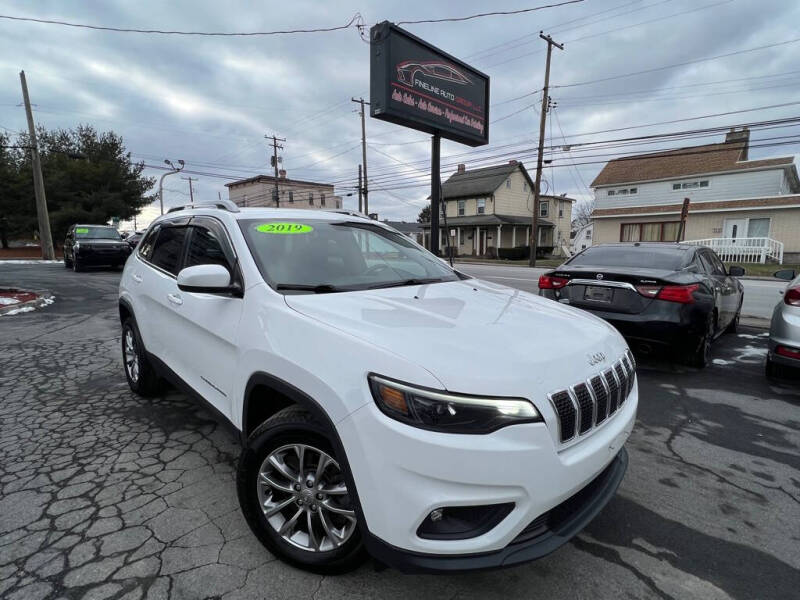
<point x="161" y="180"/>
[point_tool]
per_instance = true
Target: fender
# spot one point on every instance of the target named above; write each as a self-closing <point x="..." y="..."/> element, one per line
<point x="312" y="406"/>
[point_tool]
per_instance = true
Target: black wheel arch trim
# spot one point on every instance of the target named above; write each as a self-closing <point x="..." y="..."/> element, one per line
<point x="308" y="403"/>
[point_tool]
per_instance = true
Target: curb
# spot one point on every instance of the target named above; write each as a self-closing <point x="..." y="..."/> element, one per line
<point x="44" y="297"/>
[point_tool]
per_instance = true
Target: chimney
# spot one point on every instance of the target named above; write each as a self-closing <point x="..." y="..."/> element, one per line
<point x="512" y="162"/>
<point x="462" y="167"/>
<point x="738" y="136"/>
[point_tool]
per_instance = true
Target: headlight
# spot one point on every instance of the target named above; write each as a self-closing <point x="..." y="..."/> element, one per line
<point x="450" y="413"/>
<point x="77" y="246"/>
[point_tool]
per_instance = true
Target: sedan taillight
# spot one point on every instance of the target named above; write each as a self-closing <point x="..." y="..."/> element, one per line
<point x="792" y="296"/>
<point x="684" y="294"/>
<point x="551" y="282"/>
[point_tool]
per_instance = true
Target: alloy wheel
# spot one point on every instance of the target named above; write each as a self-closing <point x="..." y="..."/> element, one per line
<point x="131" y="356"/>
<point x="304" y="498"/>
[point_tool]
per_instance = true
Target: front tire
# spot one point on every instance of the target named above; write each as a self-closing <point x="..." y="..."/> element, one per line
<point x="142" y="378"/>
<point x="293" y="494"/>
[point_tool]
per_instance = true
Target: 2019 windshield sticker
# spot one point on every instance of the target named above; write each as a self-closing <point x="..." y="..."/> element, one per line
<point x="82" y="230"/>
<point x="284" y="228"/>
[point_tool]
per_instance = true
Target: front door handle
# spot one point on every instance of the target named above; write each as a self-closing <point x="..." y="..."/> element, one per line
<point x="137" y="278"/>
<point x="175" y="299"/>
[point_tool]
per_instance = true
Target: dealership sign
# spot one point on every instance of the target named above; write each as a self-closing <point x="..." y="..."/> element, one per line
<point x="417" y="85"/>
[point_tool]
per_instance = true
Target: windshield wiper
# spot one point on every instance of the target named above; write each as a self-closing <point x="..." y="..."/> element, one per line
<point x="418" y="281"/>
<point x="324" y="288"/>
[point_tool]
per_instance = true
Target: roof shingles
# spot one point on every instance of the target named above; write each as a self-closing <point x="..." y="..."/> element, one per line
<point x="696" y="160"/>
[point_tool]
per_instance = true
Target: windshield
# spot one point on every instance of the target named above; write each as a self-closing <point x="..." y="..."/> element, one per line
<point x="668" y="258"/>
<point x="97" y="233"/>
<point x="315" y="256"/>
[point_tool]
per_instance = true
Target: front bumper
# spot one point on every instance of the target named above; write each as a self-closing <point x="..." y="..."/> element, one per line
<point x="116" y="256"/>
<point x="548" y="532"/>
<point x="403" y="473"/>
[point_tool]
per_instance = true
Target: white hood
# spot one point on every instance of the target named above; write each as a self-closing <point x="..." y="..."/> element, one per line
<point x="475" y="337"/>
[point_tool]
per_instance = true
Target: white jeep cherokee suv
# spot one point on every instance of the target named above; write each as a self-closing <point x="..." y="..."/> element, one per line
<point x="385" y="402"/>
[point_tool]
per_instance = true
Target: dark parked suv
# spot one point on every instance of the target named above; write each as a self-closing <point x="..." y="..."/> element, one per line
<point x="94" y="245"/>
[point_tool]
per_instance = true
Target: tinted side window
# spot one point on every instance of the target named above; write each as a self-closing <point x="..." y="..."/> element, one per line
<point x="146" y="245"/>
<point x="168" y="249"/>
<point x="205" y="249"/>
<point x="719" y="268"/>
<point x="705" y="262"/>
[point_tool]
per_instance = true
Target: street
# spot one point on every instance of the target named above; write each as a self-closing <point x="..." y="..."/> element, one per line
<point x="104" y="494"/>
<point x="760" y="296"/>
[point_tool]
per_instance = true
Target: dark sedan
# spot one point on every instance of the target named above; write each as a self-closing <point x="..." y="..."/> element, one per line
<point x="674" y="296"/>
<point x="94" y="245"/>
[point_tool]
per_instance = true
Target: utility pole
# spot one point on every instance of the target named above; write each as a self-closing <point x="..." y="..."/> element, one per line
<point x="436" y="188"/>
<point x="360" y="197"/>
<point x="275" y="146"/>
<point x="45" y="237"/>
<point x="540" y="156"/>
<point x="173" y="170"/>
<point x="191" y="190"/>
<point x="364" y="152"/>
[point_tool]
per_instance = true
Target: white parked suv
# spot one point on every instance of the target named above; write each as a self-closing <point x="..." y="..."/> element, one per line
<point x="386" y="403"/>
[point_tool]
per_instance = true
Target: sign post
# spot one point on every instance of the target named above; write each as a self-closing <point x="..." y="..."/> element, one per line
<point x="417" y="85"/>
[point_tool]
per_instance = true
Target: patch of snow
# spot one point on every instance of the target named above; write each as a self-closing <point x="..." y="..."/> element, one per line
<point x="48" y="301"/>
<point x="20" y="261"/>
<point x="749" y="336"/>
<point x="750" y="353"/>
<point x="7" y="301"/>
<point x="722" y="361"/>
<point x="16" y="311"/>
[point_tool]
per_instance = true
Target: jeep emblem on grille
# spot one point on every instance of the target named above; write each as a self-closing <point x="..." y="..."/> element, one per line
<point x="595" y="358"/>
<point x="599" y="275"/>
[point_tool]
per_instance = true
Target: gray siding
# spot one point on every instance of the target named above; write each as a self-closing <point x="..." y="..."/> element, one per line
<point x="729" y="186"/>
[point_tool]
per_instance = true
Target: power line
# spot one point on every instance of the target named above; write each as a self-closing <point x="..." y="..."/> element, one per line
<point x="355" y="20"/>
<point x="496" y="13"/>
<point x="673" y="66"/>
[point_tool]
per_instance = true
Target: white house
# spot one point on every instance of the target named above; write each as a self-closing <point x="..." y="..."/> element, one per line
<point x="747" y="210"/>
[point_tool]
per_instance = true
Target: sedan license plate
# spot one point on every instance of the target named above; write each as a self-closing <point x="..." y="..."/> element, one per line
<point x="598" y="294"/>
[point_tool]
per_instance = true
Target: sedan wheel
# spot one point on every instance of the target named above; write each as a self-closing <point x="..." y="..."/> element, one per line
<point x="131" y="356"/>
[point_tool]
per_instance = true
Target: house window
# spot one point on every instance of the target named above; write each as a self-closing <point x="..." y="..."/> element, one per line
<point x="291" y="196"/>
<point x="544" y="209"/>
<point x="461" y="237"/>
<point x="623" y="191"/>
<point x="612" y="192"/>
<point x="588" y="234"/>
<point x="690" y="185"/>
<point x="322" y="199"/>
<point x="461" y="207"/>
<point x="311" y="198"/>
<point x="560" y="210"/>
<point x="758" y="228"/>
<point x="481" y="206"/>
<point x="648" y="232"/>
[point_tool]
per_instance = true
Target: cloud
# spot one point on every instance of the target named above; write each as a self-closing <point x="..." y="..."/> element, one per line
<point x="211" y="101"/>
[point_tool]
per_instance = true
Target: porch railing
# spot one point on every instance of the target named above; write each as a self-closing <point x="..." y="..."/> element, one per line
<point x="744" y="250"/>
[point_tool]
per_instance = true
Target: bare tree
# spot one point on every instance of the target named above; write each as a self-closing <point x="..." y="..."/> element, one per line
<point x="581" y="214"/>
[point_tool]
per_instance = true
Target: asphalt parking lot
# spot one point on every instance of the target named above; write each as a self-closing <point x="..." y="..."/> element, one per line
<point x="107" y="495"/>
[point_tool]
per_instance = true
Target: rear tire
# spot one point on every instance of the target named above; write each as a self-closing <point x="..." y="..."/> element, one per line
<point x="701" y="355"/>
<point x="294" y="491"/>
<point x="772" y="370"/>
<point x="142" y="378"/>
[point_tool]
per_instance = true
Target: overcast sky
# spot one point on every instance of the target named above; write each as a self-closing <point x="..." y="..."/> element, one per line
<point x="210" y="100"/>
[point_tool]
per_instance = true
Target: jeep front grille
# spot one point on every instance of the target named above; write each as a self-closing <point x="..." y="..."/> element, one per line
<point x="586" y="405"/>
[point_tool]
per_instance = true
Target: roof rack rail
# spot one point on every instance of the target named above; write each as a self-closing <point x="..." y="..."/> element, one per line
<point x="221" y="204"/>
<point x="347" y="211"/>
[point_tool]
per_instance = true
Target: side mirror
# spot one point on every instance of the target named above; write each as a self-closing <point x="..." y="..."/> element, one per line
<point x="785" y="274"/>
<point x="735" y="271"/>
<point x="207" y="279"/>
